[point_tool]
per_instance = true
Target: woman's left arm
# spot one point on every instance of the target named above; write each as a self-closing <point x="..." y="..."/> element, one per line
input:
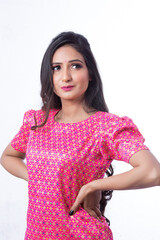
<point x="145" y="173"/>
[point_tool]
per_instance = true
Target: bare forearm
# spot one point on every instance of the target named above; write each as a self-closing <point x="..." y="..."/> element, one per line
<point x="125" y="181"/>
<point x="138" y="177"/>
<point x="15" y="166"/>
<point x="145" y="173"/>
<point x="141" y="176"/>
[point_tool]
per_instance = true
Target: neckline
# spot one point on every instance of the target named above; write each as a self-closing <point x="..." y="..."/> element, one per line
<point x="74" y="123"/>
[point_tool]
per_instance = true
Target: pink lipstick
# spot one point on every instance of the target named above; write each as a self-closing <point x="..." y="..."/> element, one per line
<point x="67" y="88"/>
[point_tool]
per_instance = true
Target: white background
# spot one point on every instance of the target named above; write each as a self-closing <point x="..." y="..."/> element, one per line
<point x="125" y="39"/>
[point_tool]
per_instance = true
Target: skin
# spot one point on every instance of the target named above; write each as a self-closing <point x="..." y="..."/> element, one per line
<point x="146" y="168"/>
<point x="66" y="71"/>
<point x="145" y="173"/>
<point x="13" y="162"/>
<point x="69" y="68"/>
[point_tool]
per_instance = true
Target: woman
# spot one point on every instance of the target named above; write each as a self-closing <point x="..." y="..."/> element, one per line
<point x="70" y="143"/>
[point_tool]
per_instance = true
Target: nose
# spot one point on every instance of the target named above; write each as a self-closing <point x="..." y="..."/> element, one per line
<point x="66" y="75"/>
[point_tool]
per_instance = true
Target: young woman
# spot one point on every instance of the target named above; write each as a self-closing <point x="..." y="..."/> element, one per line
<point x="69" y="145"/>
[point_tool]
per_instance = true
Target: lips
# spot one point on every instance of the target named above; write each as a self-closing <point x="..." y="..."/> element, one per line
<point x="67" y="88"/>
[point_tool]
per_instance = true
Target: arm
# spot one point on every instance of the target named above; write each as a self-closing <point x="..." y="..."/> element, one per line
<point x="12" y="161"/>
<point x="91" y="204"/>
<point x="145" y="173"/>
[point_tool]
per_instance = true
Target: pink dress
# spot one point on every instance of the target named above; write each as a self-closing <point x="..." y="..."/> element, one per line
<point x="61" y="158"/>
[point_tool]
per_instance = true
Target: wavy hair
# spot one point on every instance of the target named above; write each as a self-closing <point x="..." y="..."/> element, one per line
<point x="93" y="97"/>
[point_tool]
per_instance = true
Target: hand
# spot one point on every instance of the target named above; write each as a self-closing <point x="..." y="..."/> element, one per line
<point x="89" y="200"/>
<point x="92" y="204"/>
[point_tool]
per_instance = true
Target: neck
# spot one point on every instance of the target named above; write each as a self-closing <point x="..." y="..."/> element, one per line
<point x="73" y="112"/>
<point x="71" y="109"/>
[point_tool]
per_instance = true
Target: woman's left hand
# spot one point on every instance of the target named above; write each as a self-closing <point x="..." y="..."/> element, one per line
<point x="89" y="201"/>
<point x="91" y="204"/>
<point x="145" y="173"/>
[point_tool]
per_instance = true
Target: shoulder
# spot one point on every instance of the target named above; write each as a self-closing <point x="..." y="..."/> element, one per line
<point x="110" y="118"/>
<point x="28" y="116"/>
<point x="38" y="116"/>
<point x="113" y="122"/>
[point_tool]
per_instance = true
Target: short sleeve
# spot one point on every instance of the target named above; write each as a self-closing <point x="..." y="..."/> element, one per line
<point x="122" y="139"/>
<point x="19" y="142"/>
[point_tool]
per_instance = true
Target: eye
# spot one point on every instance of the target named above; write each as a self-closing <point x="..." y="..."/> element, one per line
<point x="76" y="66"/>
<point x="56" y="68"/>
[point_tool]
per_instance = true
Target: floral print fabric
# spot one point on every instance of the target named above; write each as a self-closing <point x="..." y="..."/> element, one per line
<point x="61" y="158"/>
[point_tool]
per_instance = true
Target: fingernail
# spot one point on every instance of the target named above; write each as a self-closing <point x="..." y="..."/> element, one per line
<point x="71" y="212"/>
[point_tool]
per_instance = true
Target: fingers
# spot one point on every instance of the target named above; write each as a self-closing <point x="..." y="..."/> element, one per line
<point x="71" y="212"/>
<point x="92" y="213"/>
<point x="74" y="208"/>
<point x="96" y="213"/>
<point x="79" y="200"/>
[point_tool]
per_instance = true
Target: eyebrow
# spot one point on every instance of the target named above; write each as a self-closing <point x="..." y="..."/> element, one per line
<point x="74" y="60"/>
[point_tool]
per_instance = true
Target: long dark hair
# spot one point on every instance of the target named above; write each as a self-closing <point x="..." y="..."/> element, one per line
<point x="93" y="98"/>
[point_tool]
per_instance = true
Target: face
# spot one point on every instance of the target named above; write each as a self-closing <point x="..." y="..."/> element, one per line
<point x="70" y="74"/>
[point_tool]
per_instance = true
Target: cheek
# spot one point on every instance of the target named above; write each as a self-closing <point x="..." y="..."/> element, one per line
<point x="55" y="80"/>
<point x="85" y="80"/>
<point x="83" y="77"/>
<point x="54" y="86"/>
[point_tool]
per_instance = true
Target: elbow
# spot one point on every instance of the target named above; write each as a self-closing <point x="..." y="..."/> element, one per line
<point x="158" y="178"/>
<point x="154" y="176"/>
<point x="1" y="160"/>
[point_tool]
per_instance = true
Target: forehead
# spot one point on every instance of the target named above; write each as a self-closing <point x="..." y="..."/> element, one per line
<point x="66" y="53"/>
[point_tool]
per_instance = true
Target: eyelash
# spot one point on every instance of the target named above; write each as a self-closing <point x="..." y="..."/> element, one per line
<point x="54" y="68"/>
<point x="58" y="67"/>
<point x="77" y="65"/>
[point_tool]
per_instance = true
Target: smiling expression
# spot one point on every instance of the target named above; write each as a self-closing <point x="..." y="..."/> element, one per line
<point x="70" y="74"/>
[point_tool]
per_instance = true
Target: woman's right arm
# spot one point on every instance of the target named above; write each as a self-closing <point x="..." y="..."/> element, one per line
<point x="13" y="162"/>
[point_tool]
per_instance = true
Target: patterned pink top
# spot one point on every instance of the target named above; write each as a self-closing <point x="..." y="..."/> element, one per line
<point x="61" y="158"/>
